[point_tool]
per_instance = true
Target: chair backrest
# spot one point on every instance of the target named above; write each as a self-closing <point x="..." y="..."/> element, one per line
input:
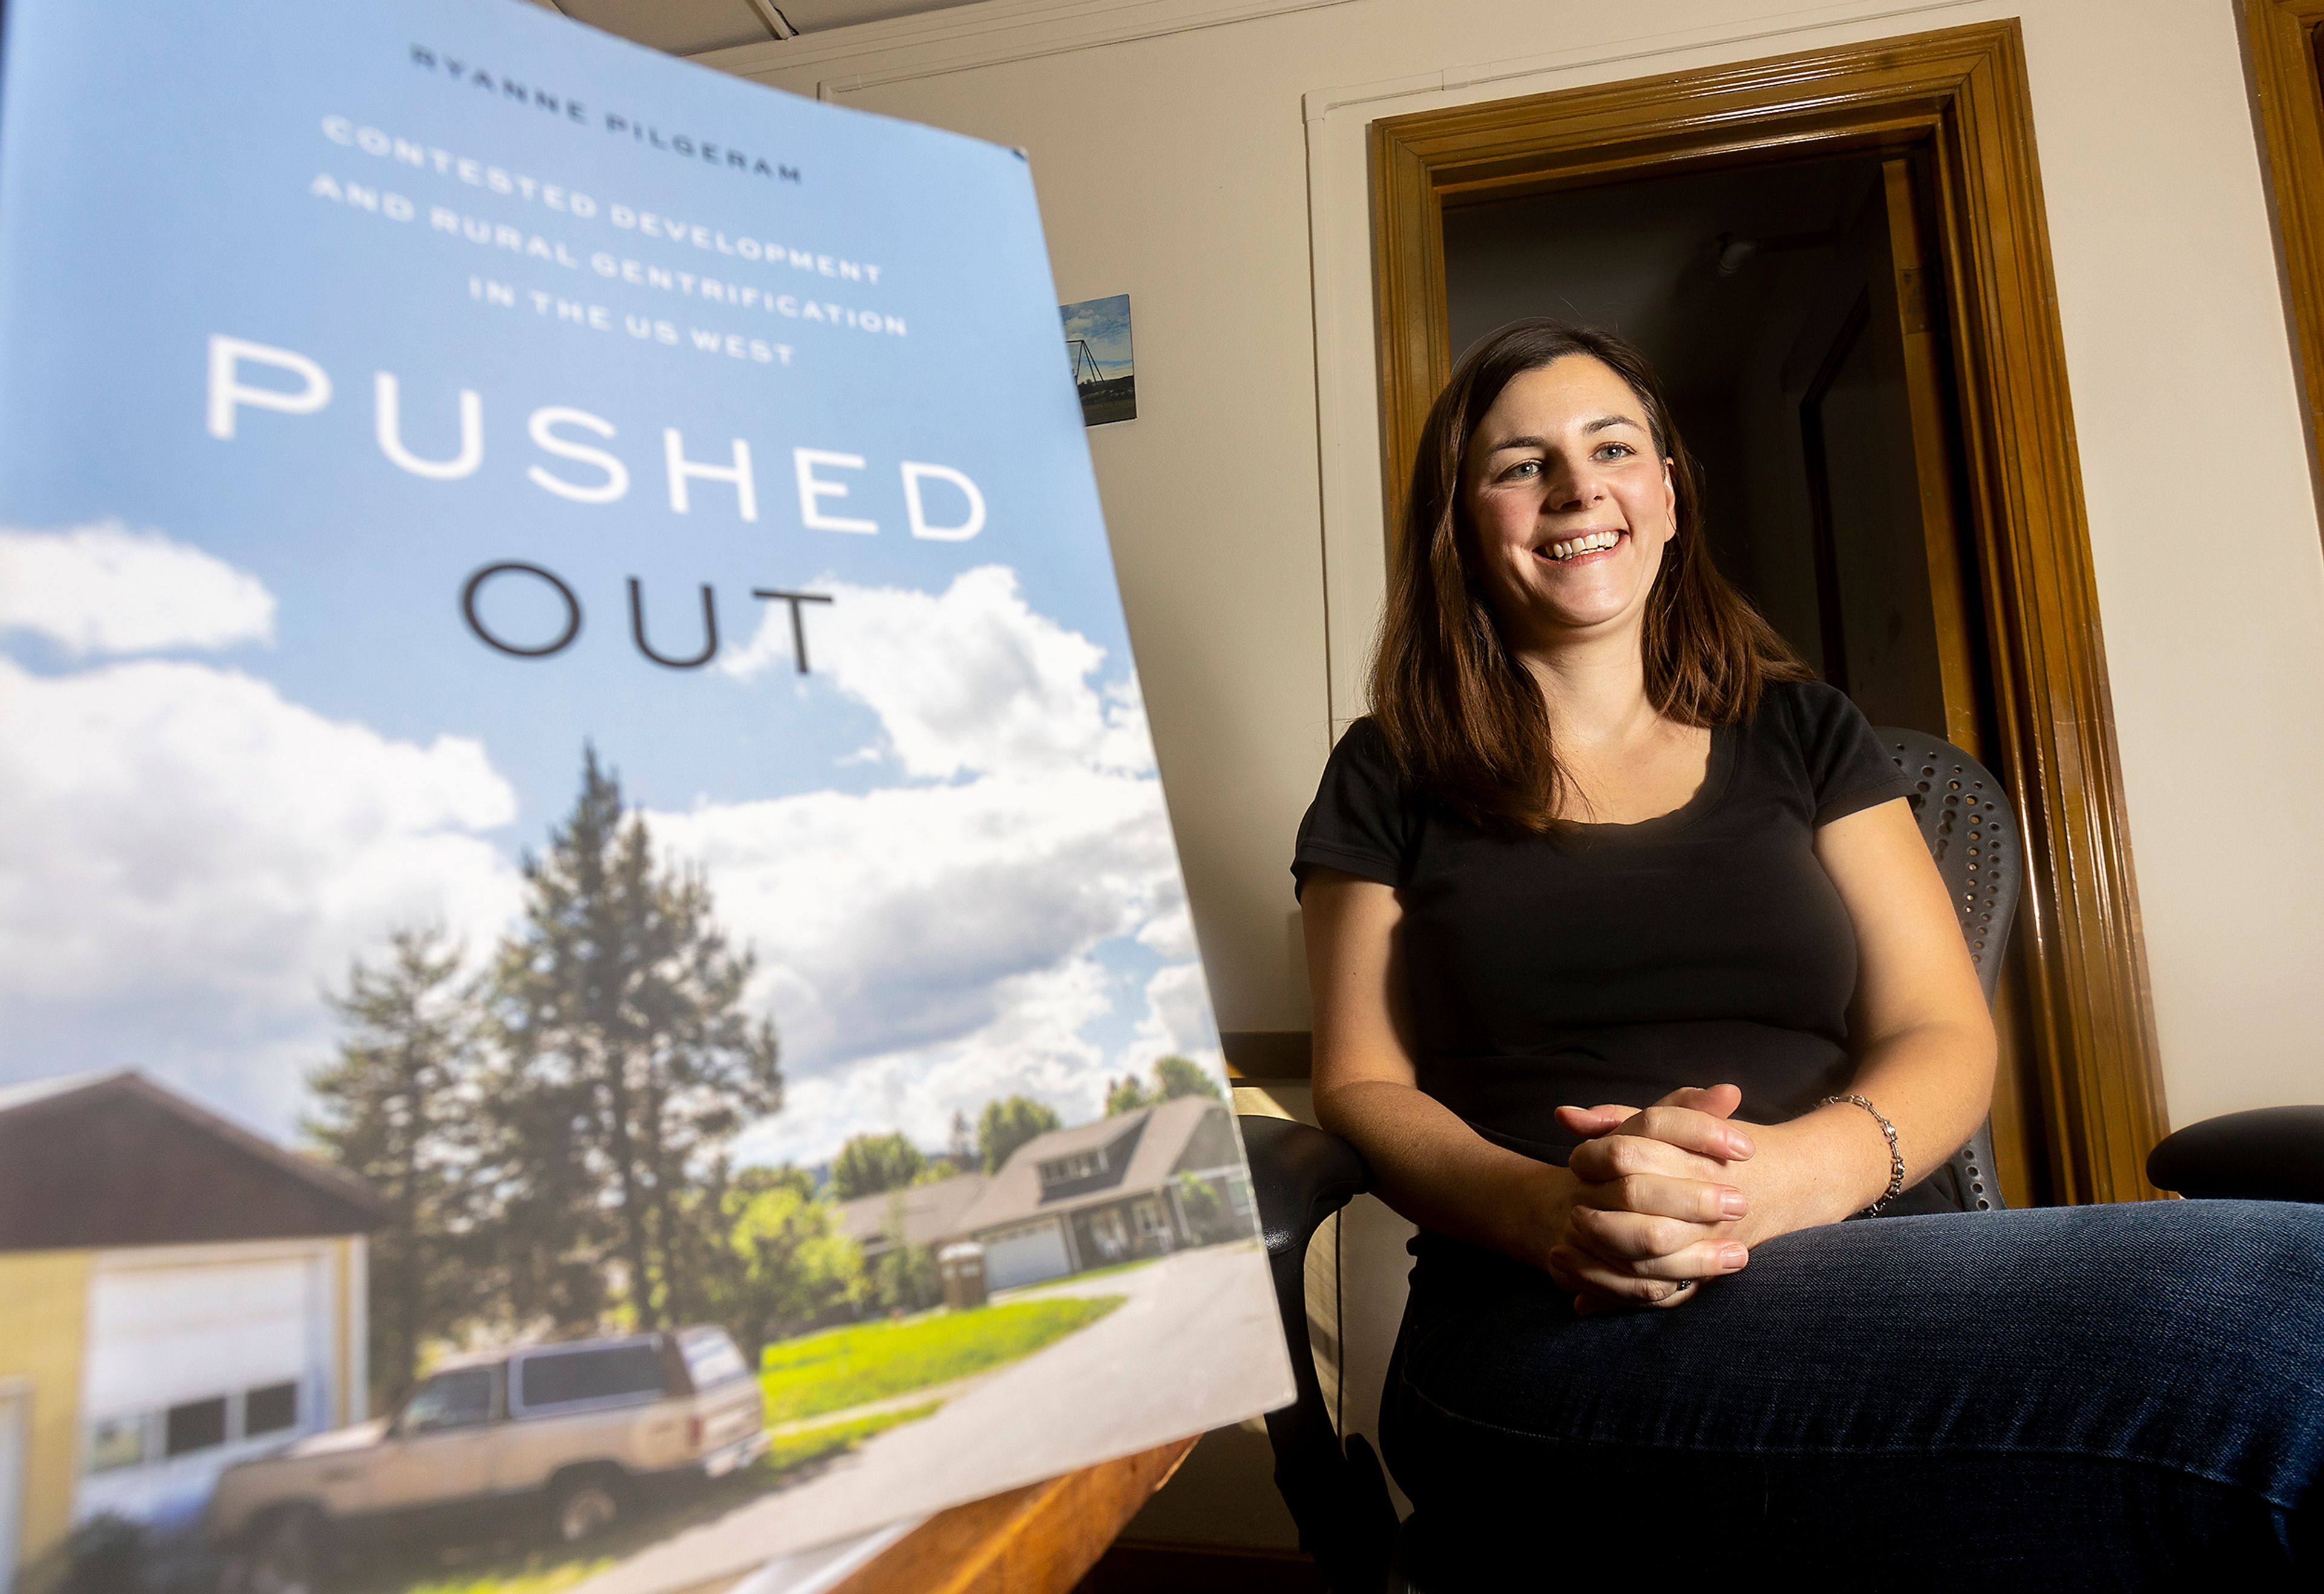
<point x="1972" y="833"/>
<point x="1965" y="819"/>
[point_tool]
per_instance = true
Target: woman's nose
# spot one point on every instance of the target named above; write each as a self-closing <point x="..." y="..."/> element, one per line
<point x="1569" y="487"/>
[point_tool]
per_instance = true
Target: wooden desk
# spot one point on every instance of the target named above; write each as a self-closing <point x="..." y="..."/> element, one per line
<point x="1036" y="1539"/>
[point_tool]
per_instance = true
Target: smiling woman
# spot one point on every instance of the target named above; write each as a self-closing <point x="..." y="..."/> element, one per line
<point x="1634" y="984"/>
<point x="1572" y="442"/>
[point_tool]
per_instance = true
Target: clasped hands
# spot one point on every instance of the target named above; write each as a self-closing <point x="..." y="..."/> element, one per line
<point x="1656" y="1200"/>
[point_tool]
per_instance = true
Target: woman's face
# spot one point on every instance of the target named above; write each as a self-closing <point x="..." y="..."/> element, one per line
<point x="1570" y="504"/>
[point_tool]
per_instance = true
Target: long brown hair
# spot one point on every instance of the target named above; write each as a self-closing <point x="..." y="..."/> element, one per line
<point x="1464" y="719"/>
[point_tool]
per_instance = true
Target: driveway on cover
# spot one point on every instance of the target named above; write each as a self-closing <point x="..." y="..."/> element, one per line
<point x="1153" y="1368"/>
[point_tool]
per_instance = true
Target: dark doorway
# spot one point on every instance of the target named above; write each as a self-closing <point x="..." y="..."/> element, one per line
<point x="1785" y="308"/>
<point x="2080" y="1066"/>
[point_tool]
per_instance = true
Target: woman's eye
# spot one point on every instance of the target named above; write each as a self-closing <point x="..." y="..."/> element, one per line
<point x="1615" y="451"/>
<point x="1521" y="470"/>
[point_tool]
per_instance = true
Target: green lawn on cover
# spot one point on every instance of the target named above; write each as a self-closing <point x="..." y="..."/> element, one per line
<point x="849" y="1367"/>
<point x="829" y="1439"/>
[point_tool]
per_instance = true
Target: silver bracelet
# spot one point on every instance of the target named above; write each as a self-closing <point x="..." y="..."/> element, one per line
<point x="1895" y="1158"/>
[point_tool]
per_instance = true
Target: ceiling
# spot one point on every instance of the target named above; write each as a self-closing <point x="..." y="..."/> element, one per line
<point x="688" y="27"/>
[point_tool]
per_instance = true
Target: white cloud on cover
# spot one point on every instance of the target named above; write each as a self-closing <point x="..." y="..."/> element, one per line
<point x="1171" y="932"/>
<point x="970" y="681"/>
<point x="190" y="856"/>
<point x="930" y="946"/>
<point x="1034" y="1046"/>
<point x="188" y="859"/>
<point x="104" y="589"/>
<point x="895" y="920"/>
<point x="1178" y="1016"/>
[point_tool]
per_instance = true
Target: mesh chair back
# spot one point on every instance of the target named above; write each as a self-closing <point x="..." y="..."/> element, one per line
<point x="1965" y="819"/>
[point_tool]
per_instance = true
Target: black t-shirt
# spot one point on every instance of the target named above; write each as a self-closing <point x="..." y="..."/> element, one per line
<point x="1619" y="962"/>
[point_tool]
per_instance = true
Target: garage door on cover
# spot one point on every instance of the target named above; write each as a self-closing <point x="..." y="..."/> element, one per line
<point x="194" y="1363"/>
<point x="1025" y="1254"/>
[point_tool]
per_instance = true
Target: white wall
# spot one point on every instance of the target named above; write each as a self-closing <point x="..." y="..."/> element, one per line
<point x="1206" y="157"/>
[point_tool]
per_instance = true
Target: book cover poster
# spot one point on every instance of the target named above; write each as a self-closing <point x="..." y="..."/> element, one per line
<point x="593" y="981"/>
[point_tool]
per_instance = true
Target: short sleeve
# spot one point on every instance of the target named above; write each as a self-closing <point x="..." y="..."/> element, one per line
<point x="1364" y="820"/>
<point x="1848" y="769"/>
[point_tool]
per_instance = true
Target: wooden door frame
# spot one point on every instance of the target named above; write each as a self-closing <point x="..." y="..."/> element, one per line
<point x="1960" y="95"/>
<point x="2280" y="37"/>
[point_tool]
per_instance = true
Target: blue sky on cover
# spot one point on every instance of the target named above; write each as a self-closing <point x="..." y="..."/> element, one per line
<point x="366" y="560"/>
<point x="187" y="209"/>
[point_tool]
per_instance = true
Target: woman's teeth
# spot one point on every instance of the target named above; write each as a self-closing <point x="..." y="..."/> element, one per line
<point x="1589" y="543"/>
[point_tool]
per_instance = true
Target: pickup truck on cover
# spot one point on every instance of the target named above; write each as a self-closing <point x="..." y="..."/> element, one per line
<point x="572" y="1426"/>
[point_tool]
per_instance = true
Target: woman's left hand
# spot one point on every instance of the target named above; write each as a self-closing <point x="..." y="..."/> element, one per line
<point x="1795" y="1174"/>
<point x="1629" y="1245"/>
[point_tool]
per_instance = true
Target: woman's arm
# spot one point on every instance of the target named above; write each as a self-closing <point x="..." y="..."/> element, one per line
<point x="1922" y="1037"/>
<point x="1435" y="1170"/>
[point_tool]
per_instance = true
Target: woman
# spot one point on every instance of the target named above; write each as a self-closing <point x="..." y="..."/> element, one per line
<point x="1633" y="979"/>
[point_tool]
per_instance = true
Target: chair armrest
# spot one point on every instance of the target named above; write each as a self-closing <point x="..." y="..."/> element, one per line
<point x="1301" y="1175"/>
<point x="2269" y="1154"/>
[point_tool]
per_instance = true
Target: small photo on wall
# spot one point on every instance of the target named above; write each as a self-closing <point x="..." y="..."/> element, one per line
<point x="1097" y="340"/>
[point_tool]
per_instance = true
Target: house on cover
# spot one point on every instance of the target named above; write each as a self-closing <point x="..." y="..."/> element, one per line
<point x="929" y="1214"/>
<point x="1136" y="1185"/>
<point x="180" y="1293"/>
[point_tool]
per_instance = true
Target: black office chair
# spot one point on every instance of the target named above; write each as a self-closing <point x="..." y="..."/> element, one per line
<point x="1972" y="833"/>
<point x="1337" y="1493"/>
<point x="2268" y="1153"/>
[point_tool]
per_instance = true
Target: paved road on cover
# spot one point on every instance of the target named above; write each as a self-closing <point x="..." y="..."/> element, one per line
<point x="1154" y="1367"/>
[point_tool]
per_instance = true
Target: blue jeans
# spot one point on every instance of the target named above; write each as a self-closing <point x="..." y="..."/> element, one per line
<point x="2086" y="1397"/>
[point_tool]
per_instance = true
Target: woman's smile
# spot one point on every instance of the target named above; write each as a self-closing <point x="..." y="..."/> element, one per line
<point x="1581" y="548"/>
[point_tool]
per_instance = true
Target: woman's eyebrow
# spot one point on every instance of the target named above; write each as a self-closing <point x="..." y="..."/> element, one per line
<point x="1601" y="424"/>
